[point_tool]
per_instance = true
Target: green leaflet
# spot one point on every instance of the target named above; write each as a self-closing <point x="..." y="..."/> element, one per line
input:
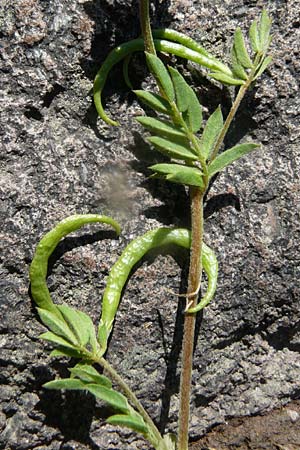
<point x="67" y="352"/>
<point x="254" y="37"/>
<point x="263" y="66"/>
<point x="264" y="31"/>
<point x="229" y="156"/>
<point x="75" y="323"/>
<point x="187" y="101"/>
<point x="193" y="114"/>
<point x="211" y="132"/>
<point x="113" y="398"/>
<point x="87" y="322"/>
<point x="236" y="67"/>
<point x="173" y="149"/>
<point x="240" y="50"/>
<point x="190" y="176"/>
<point x="66" y="383"/>
<point x="155" y="101"/>
<point x="57" y="326"/>
<point x="226" y="79"/>
<point x="55" y="339"/>
<point x="135" y="422"/>
<point x="181" y="89"/>
<point x="89" y="374"/>
<point x="160" y="127"/>
<point x="158" y="69"/>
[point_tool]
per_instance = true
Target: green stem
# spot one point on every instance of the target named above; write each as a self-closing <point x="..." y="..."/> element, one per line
<point x="146" y="27"/>
<point x="194" y="278"/>
<point x="156" y="436"/>
<point x="242" y="91"/>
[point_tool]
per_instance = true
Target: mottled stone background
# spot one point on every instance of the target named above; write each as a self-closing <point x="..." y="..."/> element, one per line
<point x="58" y="159"/>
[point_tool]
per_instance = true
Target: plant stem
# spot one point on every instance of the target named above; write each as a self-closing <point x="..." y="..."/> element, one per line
<point x="194" y="278"/>
<point x="234" y="108"/>
<point x="146" y="27"/>
<point x="156" y="436"/>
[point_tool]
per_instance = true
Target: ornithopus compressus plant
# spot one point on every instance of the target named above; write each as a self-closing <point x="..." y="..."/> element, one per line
<point x="177" y="131"/>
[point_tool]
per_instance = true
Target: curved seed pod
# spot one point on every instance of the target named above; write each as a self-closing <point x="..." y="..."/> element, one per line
<point x="120" y="52"/>
<point x="46" y="246"/>
<point x="130" y="256"/>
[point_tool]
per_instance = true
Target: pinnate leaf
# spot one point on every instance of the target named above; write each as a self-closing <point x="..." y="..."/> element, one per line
<point x="89" y="374"/>
<point x="229" y="156"/>
<point x="181" y="89"/>
<point x="161" y="127"/>
<point x="240" y="50"/>
<point x="113" y="398"/>
<point x="135" y="422"/>
<point x="173" y="149"/>
<point x="158" y="69"/>
<point x="211" y="132"/>
<point x="190" y="176"/>
<point x="155" y="101"/>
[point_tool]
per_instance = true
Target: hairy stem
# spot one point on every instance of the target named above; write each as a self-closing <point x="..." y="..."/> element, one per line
<point x="194" y="278"/>
<point x="146" y="27"/>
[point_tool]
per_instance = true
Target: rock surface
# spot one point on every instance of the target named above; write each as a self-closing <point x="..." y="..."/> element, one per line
<point x="58" y="159"/>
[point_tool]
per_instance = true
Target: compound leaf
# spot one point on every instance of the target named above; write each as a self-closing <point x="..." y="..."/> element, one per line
<point x="176" y="173"/>
<point x="181" y="89"/>
<point x="135" y="422"/>
<point x="229" y="156"/>
<point x="173" y="149"/>
<point x="211" y="132"/>
<point x="161" y="127"/>
<point x="113" y="398"/>
<point x="155" y="101"/>
<point x="158" y="69"/>
<point x="89" y="374"/>
<point x="240" y="49"/>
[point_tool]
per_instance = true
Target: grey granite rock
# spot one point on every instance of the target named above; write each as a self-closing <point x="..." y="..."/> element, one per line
<point x="57" y="159"/>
